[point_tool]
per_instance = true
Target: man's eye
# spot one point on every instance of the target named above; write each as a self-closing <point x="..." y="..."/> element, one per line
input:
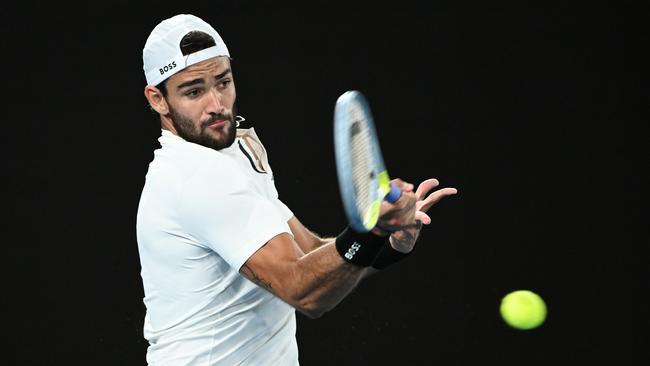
<point x="192" y="92"/>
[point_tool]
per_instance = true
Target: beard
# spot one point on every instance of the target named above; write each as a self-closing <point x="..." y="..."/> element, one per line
<point x="201" y="135"/>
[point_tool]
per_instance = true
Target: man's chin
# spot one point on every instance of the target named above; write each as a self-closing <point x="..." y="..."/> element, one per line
<point x="221" y="138"/>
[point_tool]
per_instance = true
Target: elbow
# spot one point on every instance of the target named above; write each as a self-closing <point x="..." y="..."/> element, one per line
<point x="312" y="309"/>
<point x="311" y="313"/>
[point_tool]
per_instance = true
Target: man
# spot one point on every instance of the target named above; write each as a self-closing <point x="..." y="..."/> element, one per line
<point x="225" y="263"/>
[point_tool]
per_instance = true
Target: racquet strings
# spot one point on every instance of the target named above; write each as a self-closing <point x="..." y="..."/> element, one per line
<point x="363" y="175"/>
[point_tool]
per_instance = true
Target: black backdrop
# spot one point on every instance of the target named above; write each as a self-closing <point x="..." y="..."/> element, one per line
<point x="532" y="111"/>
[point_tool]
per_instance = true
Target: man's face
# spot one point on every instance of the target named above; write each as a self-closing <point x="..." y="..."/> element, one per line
<point x="201" y="102"/>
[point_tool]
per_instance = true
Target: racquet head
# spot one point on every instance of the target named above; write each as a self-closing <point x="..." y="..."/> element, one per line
<point x="363" y="180"/>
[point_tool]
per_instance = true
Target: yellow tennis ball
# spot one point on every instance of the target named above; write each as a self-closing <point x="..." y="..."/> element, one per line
<point x="523" y="309"/>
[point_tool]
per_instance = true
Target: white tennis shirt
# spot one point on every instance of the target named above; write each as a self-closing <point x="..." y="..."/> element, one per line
<point x="201" y="215"/>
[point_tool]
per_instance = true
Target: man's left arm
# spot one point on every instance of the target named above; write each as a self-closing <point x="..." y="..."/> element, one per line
<point x="401" y="241"/>
<point x="307" y="240"/>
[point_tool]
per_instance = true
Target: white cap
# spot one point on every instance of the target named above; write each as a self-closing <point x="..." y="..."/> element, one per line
<point x="162" y="56"/>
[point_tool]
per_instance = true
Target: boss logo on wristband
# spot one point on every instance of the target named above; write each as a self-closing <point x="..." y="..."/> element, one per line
<point x="359" y="248"/>
<point x="352" y="251"/>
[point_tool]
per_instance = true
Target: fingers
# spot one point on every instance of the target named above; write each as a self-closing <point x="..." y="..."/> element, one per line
<point x="407" y="199"/>
<point x="434" y="197"/>
<point x="404" y="206"/>
<point x="405" y="222"/>
<point x="402" y="211"/>
<point x="425" y="187"/>
<point x="423" y="217"/>
<point x="402" y="185"/>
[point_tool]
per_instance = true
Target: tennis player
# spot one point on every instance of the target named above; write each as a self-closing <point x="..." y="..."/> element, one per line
<point x="225" y="263"/>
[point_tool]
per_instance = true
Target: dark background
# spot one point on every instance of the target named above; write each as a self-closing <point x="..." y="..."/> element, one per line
<point x="534" y="112"/>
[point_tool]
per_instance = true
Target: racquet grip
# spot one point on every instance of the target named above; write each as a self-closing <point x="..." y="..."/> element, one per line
<point x="394" y="194"/>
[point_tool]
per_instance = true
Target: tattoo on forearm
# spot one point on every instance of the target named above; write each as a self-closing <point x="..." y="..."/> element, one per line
<point x="255" y="278"/>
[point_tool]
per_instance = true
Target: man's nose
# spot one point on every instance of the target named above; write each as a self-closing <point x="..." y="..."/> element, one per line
<point x="215" y="104"/>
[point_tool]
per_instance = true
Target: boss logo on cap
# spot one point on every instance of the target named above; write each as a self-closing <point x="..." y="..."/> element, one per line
<point x="166" y="68"/>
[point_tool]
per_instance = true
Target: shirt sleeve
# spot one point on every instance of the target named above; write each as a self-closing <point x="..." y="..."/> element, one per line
<point x="284" y="210"/>
<point x="222" y="210"/>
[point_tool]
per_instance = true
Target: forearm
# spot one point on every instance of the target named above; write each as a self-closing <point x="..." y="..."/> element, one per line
<point x="314" y="282"/>
<point x="317" y="242"/>
<point x="386" y="257"/>
<point x="324" y="279"/>
<point x="310" y="272"/>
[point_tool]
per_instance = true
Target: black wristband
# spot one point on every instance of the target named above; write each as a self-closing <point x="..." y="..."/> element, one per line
<point x="360" y="249"/>
<point x="388" y="256"/>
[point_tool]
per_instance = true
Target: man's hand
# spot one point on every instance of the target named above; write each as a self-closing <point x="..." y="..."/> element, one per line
<point x="397" y="215"/>
<point x="404" y="239"/>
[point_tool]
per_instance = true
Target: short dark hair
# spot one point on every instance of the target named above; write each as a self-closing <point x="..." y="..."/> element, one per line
<point x="193" y="41"/>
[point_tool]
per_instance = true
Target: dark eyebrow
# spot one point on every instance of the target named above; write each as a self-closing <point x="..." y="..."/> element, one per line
<point x="200" y="81"/>
<point x="190" y="83"/>
<point x="224" y="73"/>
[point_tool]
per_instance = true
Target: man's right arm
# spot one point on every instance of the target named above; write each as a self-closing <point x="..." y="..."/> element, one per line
<point x="315" y="281"/>
<point x="307" y="240"/>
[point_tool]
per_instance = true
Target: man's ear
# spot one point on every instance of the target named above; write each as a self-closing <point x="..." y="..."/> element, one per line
<point x="156" y="99"/>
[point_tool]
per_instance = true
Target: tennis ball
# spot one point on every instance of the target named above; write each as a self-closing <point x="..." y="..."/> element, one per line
<point x="523" y="309"/>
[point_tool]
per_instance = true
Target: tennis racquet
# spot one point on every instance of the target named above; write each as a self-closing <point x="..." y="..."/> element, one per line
<point x="363" y="180"/>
